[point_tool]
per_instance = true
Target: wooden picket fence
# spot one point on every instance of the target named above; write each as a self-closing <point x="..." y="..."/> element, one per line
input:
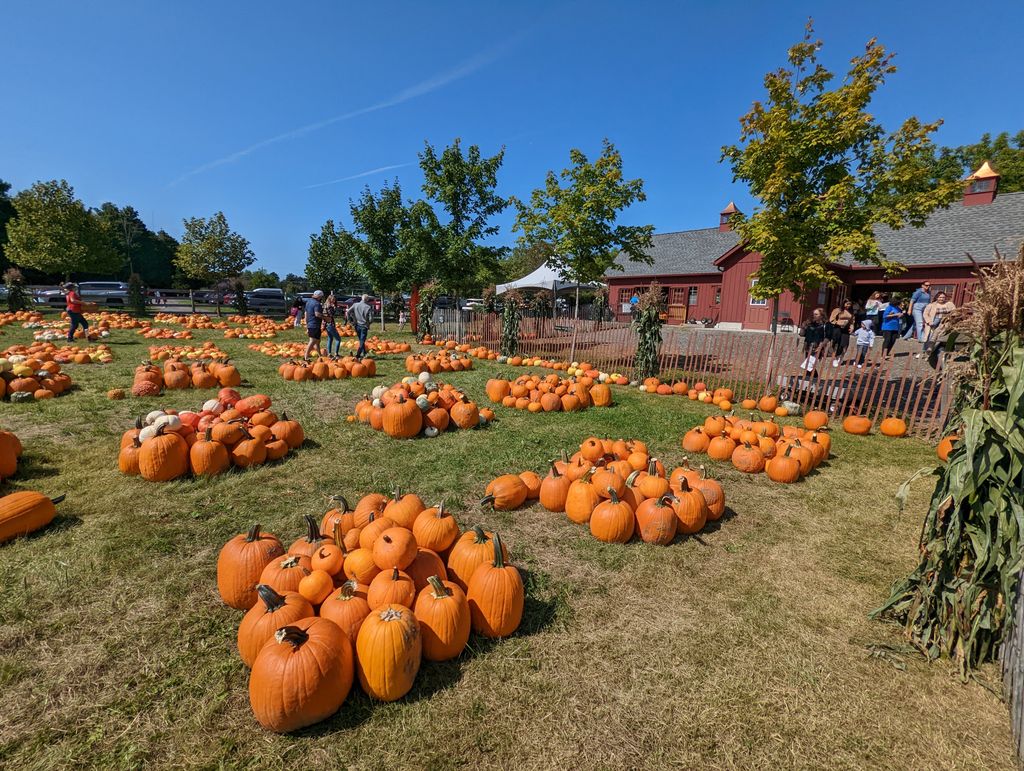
<point x="749" y="363"/>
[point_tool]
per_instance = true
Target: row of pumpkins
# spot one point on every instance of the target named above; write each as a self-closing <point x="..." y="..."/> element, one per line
<point x="64" y="354"/>
<point x="328" y="368"/>
<point x="433" y="363"/>
<point x="150" y="380"/>
<point x="616" y="488"/>
<point x="367" y="593"/>
<point x="164" y="333"/>
<point x="549" y="394"/>
<point x="226" y="432"/>
<point x="208" y="350"/>
<point x="418" y="406"/>
<point x="25" y="511"/>
<point x="27" y="378"/>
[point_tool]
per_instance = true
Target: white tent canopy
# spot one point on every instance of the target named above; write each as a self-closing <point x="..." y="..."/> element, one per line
<point x="545" y="277"/>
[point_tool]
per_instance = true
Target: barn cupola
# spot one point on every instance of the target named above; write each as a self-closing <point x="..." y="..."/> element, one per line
<point x="725" y="217"/>
<point x="981" y="186"/>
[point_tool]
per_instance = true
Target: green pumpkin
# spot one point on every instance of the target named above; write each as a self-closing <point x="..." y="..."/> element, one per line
<point x="22" y="396"/>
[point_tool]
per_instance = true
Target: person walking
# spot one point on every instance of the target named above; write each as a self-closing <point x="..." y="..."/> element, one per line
<point x="295" y="314"/>
<point x="918" y="302"/>
<point x="891" y="317"/>
<point x="842" y="321"/>
<point x="865" y="336"/>
<point x="934" y="314"/>
<point x="314" y="314"/>
<point x="331" y="326"/>
<point x="403" y="319"/>
<point x="73" y="305"/>
<point x="813" y="333"/>
<point x="361" y="315"/>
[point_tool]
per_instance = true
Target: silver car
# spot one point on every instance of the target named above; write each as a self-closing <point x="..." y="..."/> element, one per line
<point x="99" y="292"/>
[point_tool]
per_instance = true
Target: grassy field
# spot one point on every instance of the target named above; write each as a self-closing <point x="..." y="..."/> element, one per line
<point x="748" y="646"/>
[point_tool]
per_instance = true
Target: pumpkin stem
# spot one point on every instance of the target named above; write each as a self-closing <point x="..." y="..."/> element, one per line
<point x="499" y="558"/>
<point x="338" y="538"/>
<point x="58" y="499"/>
<point x="348" y="590"/>
<point x="338" y="499"/>
<point x="394" y="574"/>
<point x="440" y="590"/>
<point x="554" y="471"/>
<point x="684" y="486"/>
<point x="440" y="510"/>
<point x="612" y="495"/>
<point x="479" y="535"/>
<point x="291" y="634"/>
<point x="652" y="467"/>
<point x="487" y="500"/>
<point x="270" y="597"/>
<point x="284" y="415"/>
<point x="253" y="534"/>
<point x="312" y="529"/>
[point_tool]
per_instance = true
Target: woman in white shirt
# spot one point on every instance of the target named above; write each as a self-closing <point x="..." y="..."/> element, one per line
<point x="934" y="313"/>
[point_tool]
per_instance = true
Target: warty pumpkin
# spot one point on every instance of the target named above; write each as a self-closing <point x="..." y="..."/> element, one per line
<point x="301" y="676"/>
<point x="444" y="618"/>
<point x="388" y="652"/>
<point x="496" y="595"/>
<point x="271" y="611"/>
<point x="240" y="564"/>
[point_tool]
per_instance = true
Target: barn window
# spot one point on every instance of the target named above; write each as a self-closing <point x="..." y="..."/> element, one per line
<point x="692" y="298"/>
<point x="754" y="300"/>
<point x="718" y="295"/>
<point x="982" y="185"/>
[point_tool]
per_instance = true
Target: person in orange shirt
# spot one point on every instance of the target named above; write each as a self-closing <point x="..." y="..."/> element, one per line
<point x="74" y="309"/>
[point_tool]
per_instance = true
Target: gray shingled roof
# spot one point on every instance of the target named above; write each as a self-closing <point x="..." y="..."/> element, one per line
<point x="689" y="251"/>
<point x="945" y="239"/>
<point x="950" y="233"/>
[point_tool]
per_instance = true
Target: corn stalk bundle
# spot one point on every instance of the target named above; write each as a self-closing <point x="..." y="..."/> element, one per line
<point x="425" y="308"/>
<point x="960" y="598"/>
<point x="510" y="317"/>
<point x="17" y="295"/>
<point x="647" y="324"/>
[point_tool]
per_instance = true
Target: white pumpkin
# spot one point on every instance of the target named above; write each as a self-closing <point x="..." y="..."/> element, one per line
<point x="423" y="402"/>
<point x="16" y="359"/>
<point x="378" y="403"/>
<point x="147" y="433"/>
<point x="152" y="417"/>
<point x="643" y="388"/>
<point x="424" y="377"/>
<point x="378" y="392"/>
<point x="430" y="432"/>
<point x="168" y="423"/>
<point x="408" y="380"/>
<point x="213" y="405"/>
<point x="5" y="365"/>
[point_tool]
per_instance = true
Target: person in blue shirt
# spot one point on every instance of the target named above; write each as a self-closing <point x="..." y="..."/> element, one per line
<point x="918" y="302"/>
<point x="890" y="326"/>
<point x="314" y="314"/>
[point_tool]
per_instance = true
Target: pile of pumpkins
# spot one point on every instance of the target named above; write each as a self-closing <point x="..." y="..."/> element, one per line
<point x="150" y="380"/>
<point x="326" y="368"/>
<point x="617" y="489"/>
<point x="107" y="320"/>
<point x="571" y="368"/>
<point x="65" y="354"/>
<point x="191" y="321"/>
<point x="23" y="317"/>
<point x="534" y="393"/>
<point x="442" y="361"/>
<point x="419" y="406"/>
<point x="785" y="454"/>
<point x="378" y="346"/>
<point x="207" y="350"/>
<point x="28" y="379"/>
<point x="164" y="333"/>
<point x="479" y="351"/>
<point x="365" y="594"/>
<point x="859" y="425"/>
<point x="225" y="432"/>
<point x="256" y="327"/>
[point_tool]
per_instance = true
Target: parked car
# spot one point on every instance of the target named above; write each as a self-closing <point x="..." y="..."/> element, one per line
<point x="473" y="304"/>
<point x="99" y="292"/>
<point x="265" y="299"/>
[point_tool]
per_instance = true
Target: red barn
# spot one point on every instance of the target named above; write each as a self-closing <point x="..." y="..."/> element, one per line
<point x="708" y="273"/>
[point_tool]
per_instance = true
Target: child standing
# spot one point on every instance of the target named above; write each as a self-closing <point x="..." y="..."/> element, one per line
<point x="865" y="339"/>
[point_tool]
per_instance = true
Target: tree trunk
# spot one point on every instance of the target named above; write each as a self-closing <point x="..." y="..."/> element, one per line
<point x="769" y="373"/>
<point x="382" y="313"/>
<point x="414" y="313"/>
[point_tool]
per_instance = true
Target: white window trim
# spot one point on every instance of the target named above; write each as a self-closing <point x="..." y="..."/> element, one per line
<point x="754" y="302"/>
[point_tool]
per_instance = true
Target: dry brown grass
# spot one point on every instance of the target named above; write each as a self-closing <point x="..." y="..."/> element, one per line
<point x="746" y="647"/>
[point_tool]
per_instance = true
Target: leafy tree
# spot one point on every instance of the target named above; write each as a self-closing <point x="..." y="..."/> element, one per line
<point x="241" y="301"/>
<point x="524" y="259"/>
<point x="462" y="186"/>
<point x="124" y="229"/>
<point x="136" y="295"/>
<point x="578" y="219"/>
<point x="1005" y="153"/>
<point x="825" y="172"/>
<point x="7" y="213"/>
<point x="293" y="283"/>
<point x="211" y="252"/>
<point x="17" y="295"/>
<point x="155" y="258"/>
<point x="261" y="277"/>
<point x="331" y="260"/>
<point x="54" y="233"/>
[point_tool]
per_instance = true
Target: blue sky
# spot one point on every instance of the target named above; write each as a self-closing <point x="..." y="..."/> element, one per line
<point x="278" y="114"/>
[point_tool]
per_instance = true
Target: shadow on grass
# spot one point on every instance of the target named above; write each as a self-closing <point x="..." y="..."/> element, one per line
<point x="714" y="526"/>
<point x="539" y="613"/>
<point x="33" y="468"/>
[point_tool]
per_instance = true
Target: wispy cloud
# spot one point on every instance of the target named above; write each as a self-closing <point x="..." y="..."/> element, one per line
<point x="361" y="174"/>
<point x="422" y="88"/>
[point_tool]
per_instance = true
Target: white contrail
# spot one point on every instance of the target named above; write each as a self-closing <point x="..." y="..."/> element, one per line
<point x="419" y="89"/>
<point x="369" y="173"/>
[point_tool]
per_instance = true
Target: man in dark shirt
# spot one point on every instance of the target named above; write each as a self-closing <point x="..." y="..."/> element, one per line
<point x="361" y="314"/>
<point x="314" y="322"/>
